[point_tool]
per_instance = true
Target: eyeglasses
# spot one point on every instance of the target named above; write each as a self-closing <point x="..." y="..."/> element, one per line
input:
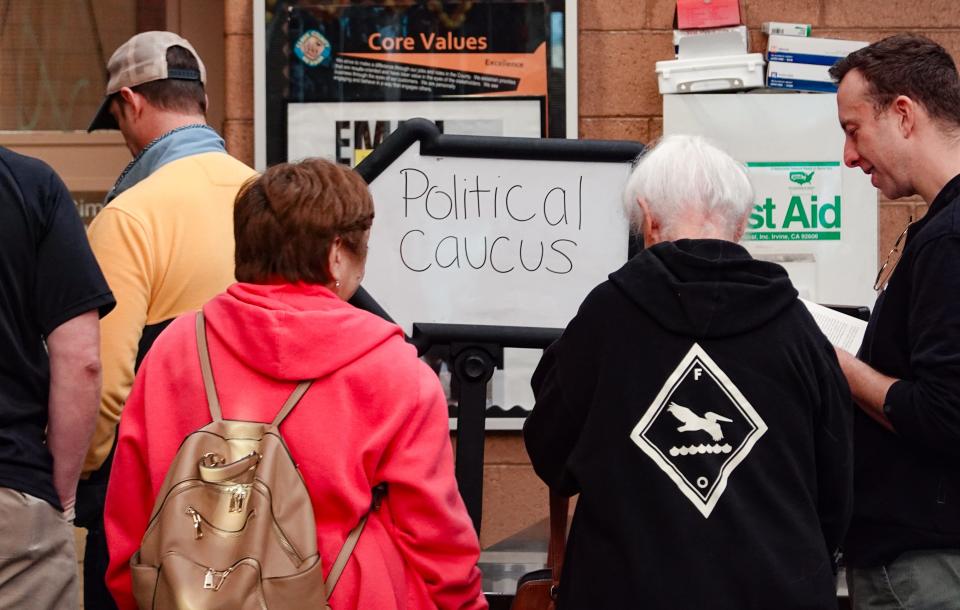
<point x="886" y="269"/>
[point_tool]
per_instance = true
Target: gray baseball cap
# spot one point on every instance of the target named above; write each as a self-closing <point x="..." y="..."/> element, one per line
<point x="143" y="59"/>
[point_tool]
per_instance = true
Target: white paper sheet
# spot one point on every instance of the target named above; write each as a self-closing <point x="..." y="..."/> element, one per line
<point x="843" y="331"/>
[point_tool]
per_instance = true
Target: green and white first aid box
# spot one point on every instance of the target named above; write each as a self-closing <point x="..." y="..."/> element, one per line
<point x="812" y="214"/>
<point x="722" y="73"/>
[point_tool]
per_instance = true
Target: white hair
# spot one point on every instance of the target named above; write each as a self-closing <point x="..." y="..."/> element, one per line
<point x="681" y="173"/>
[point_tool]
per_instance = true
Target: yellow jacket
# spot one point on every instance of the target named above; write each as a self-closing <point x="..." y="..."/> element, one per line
<point x="165" y="247"/>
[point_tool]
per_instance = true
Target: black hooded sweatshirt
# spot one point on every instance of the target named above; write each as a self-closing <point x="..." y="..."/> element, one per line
<point x="704" y="420"/>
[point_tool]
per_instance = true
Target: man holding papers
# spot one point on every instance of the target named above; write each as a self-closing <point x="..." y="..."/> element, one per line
<point x="899" y="105"/>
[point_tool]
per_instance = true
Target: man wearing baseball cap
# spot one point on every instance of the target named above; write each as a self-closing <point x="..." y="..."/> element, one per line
<point x="164" y="239"/>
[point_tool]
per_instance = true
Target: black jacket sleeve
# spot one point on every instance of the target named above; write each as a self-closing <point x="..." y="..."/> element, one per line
<point x="563" y="386"/>
<point x="833" y="436"/>
<point x="925" y="410"/>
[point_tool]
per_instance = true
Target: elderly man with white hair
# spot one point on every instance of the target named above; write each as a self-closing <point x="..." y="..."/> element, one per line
<point x="697" y="410"/>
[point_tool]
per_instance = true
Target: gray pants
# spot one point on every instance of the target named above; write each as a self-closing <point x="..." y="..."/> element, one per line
<point x="918" y="580"/>
<point x="38" y="559"/>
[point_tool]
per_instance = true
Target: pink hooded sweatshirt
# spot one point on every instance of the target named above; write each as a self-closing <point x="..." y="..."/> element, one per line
<point x="374" y="414"/>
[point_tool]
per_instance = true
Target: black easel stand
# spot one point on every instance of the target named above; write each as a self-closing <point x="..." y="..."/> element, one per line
<point x="475" y="351"/>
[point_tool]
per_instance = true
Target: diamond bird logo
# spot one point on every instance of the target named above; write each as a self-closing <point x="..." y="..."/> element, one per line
<point x="700" y="471"/>
<point x="693" y="422"/>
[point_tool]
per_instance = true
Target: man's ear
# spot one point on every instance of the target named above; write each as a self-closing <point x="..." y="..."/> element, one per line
<point x="132" y="102"/>
<point x="651" y="225"/>
<point x="905" y="110"/>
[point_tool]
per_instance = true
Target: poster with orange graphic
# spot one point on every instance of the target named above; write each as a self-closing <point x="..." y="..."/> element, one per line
<point x="321" y="53"/>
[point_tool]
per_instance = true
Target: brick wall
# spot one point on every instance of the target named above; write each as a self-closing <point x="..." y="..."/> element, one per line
<point x="619" y="42"/>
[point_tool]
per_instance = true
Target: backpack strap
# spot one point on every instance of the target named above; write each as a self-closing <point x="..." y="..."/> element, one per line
<point x="351" y="542"/>
<point x="211" y="389"/>
<point x="292" y="401"/>
<point x="212" y="401"/>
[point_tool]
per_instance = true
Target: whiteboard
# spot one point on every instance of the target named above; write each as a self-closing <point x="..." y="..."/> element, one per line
<point x="468" y="233"/>
<point x="493" y="231"/>
<point x="780" y="132"/>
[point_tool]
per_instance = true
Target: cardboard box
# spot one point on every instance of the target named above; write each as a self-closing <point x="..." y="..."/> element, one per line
<point x="726" y="73"/>
<point x="786" y="29"/>
<point x="688" y="44"/>
<point x="803" y="64"/>
<point x="694" y="14"/>
<point x="800" y="77"/>
<point x="814" y="51"/>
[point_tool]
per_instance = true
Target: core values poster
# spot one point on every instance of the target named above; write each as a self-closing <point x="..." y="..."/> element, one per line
<point x="319" y="54"/>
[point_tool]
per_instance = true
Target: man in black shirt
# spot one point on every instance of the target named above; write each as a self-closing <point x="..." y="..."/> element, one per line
<point x="899" y="105"/>
<point x="51" y="296"/>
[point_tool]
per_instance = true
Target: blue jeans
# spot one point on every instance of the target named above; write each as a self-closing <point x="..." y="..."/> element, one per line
<point x="916" y="580"/>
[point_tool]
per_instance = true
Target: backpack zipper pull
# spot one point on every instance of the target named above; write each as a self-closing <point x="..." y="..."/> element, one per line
<point x="208" y="579"/>
<point x="223" y="578"/>
<point x="198" y="533"/>
<point x="238" y="498"/>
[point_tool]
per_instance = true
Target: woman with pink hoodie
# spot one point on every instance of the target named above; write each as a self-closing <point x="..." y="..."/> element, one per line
<point x="374" y="414"/>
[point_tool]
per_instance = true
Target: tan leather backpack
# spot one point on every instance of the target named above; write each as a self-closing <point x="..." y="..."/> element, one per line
<point x="232" y="526"/>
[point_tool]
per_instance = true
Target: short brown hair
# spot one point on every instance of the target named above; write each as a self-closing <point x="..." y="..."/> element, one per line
<point x="910" y="65"/>
<point x="173" y="94"/>
<point x="286" y="220"/>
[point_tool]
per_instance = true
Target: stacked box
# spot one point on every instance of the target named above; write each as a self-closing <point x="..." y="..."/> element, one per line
<point x="701" y="74"/>
<point x="697" y="14"/>
<point x="718" y="41"/>
<point x="786" y="29"/>
<point x="803" y="64"/>
<point x="711" y="47"/>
